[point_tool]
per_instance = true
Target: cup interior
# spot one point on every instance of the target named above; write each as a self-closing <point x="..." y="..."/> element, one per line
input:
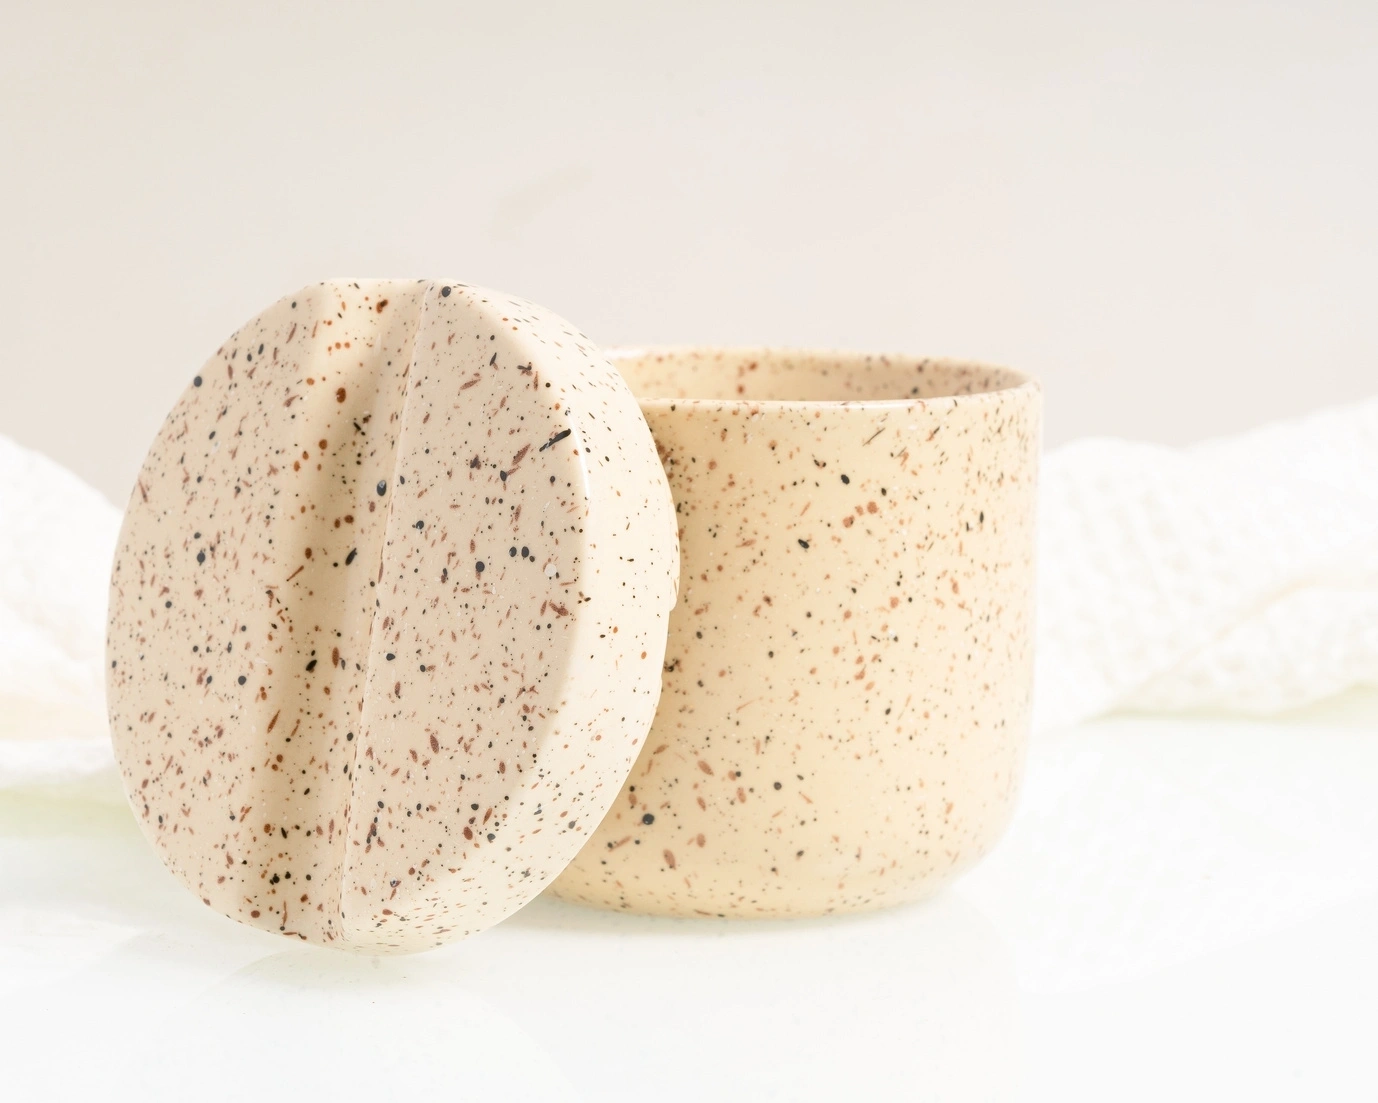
<point x="801" y="375"/>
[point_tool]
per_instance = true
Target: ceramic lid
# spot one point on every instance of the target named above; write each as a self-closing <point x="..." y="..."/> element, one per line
<point x="388" y="612"/>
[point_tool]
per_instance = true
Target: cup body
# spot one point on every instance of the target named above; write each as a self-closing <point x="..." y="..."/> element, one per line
<point x="846" y="691"/>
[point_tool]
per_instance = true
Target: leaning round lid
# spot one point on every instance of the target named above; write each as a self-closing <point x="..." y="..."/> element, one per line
<point x="388" y="612"/>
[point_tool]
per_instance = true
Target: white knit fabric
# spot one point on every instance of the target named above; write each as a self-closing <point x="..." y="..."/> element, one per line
<point x="57" y="540"/>
<point x="1239" y="574"/>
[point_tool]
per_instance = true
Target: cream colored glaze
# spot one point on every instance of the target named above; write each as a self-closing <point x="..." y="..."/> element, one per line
<point x="847" y="682"/>
<point x="331" y="721"/>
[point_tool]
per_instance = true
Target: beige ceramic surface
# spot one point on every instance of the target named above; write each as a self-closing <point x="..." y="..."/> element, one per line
<point x="388" y="613"/>
<point x="847" y="682"/>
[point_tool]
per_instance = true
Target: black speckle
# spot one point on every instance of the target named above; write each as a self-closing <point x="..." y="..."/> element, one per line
<point x="349" y="737"/>
<point x="196" y="382"/>
<point x="525" y="551"/>
<point x="242" y="679"/>
<point x="804" y="544"/>
<point x="419" y="525"/>
<point x="845" y="479"/>
<point x="648" y="819"/>
<point x="479" y="566"/>
<point x="778" y="785"/>
<point x="502" y="475"/>
<point x="311" y="666"/>
<point x="350" y="557"/>
<point x="555" y="440"/>
<point x="390" y="656"/>
<point x="200" y="557"/>
<point x="445" y="292"/>
<point x="382" y="487"/>
<point x="512" y="552"/>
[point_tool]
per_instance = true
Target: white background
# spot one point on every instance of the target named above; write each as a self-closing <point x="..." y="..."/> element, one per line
<point x="1165" y="208"/>
<point x="1182" y="910"/>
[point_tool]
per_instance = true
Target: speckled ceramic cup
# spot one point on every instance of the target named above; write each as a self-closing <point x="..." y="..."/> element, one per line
<point x="846" y="690"/>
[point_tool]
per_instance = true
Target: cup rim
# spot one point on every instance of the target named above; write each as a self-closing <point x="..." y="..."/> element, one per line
<point x="1020" y="384"/>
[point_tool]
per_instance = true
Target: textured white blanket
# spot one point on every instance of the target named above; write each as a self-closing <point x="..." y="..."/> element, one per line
<point x="1239" y="574"/>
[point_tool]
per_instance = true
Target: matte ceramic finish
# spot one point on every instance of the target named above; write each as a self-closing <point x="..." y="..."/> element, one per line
<point x="388" y="613"/>
<point x="847" y="683"/>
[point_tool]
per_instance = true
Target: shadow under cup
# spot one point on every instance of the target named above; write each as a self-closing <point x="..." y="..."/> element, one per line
<point x="846" y="693"/>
